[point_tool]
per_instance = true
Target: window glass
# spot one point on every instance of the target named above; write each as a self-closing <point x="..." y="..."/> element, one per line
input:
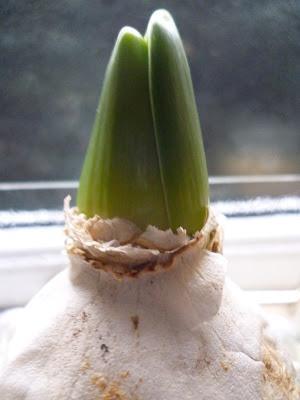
<point x="245" y="64"/>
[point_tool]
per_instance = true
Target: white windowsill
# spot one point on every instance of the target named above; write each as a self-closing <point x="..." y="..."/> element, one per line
<point x="263" y="254"/>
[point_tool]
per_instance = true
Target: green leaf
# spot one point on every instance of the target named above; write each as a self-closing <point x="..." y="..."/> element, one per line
<point x="177" y="129"/>
<point x="145" y="161"/>
<point x="120" y="176"/>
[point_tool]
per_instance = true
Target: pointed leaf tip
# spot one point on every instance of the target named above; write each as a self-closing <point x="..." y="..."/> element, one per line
<point x="177" y="128"/>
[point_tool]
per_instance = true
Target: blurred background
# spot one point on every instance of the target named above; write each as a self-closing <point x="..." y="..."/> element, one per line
<point x="245" y="63"/>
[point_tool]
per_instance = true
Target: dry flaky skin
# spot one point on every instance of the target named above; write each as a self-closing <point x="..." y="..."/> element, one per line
<point x="175" y="329"/>
<point x="118" y="246"/>
<point x="278" y="374"/>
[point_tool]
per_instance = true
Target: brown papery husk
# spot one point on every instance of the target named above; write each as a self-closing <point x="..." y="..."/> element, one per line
<point x="143" y="315"/>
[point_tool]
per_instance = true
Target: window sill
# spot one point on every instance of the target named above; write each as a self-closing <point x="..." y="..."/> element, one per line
<point x="263" y="254"/>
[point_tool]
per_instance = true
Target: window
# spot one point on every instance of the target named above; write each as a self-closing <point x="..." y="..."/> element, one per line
<point x="244" y="65"/>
